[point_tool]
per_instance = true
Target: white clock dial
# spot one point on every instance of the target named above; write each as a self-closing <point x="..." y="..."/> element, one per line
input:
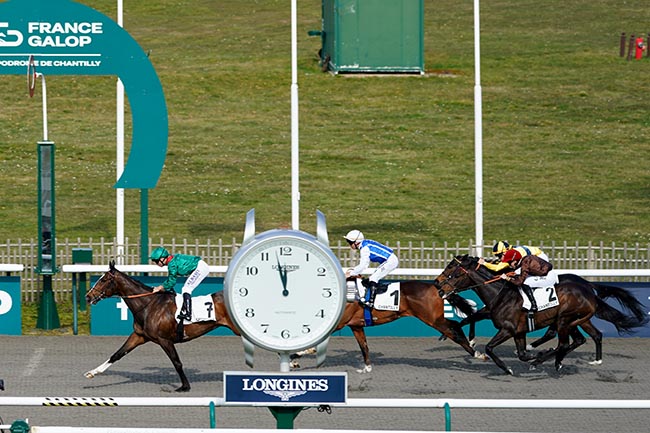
<point x="284" y="290"/>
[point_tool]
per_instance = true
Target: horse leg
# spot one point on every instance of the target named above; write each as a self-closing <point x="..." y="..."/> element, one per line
<point x="499" y="338"/>
<point x="520" y="344"/>
<point x="550" y="334"/>
<point x="453" y="330"/>
<point x="563" y="346"/>
<point x="360" y="336"/>
<point x="131" y="343"/>
<point x="172" y="354"/>
<point x="481" y="314"/>
<point x="597" y="336"/>
<point x="294" y="357"/>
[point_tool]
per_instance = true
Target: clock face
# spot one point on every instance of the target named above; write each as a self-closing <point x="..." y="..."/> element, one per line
<point x="285" y="290"/>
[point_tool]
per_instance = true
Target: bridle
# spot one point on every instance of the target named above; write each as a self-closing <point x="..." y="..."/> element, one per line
<point x="102" y="294"/>
<point x="453" y="274"/>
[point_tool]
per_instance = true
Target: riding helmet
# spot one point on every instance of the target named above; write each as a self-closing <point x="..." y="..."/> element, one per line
<point x="159" y="253"/>
<point x="500" y="247"/>
<point x="354" y="236"/>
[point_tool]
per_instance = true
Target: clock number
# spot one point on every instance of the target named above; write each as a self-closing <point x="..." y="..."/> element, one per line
<point x="264" y="256"/>
<point x="321" y="272"/>
<point x="327" y="292"/>
<point x="243" y="292"/>
<point x="285" y="251"/>
<point x="251" y="270"/>
<point x="306" y="329"/>
<point x="306" y="257"/>
<point x="285" y="334"/>
<point x="250" y="312"/>
<point x="265" y="326"/>
<point x="321" y="314"/>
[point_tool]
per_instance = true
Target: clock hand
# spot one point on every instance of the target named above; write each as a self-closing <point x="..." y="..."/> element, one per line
<point x="283" y="277"/>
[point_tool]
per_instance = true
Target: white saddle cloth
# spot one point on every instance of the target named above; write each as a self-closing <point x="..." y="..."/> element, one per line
<point x="202" y="308"/>
<point x="388" y="300"/>
<point x="546" y="298"/>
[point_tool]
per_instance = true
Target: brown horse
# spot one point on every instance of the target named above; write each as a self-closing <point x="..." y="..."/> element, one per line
<point x="578" y="303"/>
<point x="154" y="318"/>
<point x="418" y="299"/>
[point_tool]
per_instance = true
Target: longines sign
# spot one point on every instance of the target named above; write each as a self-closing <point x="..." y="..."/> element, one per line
<point x="68" y="38"/>
<point x="285" y="389"/>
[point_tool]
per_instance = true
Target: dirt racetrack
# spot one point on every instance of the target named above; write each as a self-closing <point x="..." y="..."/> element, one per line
<point x="34" y="366"/>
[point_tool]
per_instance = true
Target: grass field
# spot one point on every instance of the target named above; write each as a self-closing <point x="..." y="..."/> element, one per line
<point x="565" y="128"/>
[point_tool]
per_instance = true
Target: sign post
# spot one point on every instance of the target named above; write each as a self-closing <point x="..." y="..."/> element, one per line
<point x="48" y="317"/>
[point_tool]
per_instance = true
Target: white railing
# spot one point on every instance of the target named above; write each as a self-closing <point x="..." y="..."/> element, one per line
<point x="414" y="272"/>
<point x="425" y="258"/>
<point x="442" y="403"/>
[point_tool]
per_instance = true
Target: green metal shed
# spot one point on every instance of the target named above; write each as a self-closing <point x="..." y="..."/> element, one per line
<point x="374" y="36"/>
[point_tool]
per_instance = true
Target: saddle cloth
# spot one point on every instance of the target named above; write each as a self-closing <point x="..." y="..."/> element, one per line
<point x="202" y="308"/>
<point x="545" y="296"/>
<point x="388" y="300"/>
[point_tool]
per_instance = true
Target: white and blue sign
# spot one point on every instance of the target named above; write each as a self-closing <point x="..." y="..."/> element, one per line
<point x="112" y="316"/>
<point x="285" y="389"/>
<point x="10" y="308"/>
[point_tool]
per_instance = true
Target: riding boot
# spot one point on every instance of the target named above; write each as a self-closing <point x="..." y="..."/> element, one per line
<point x="372" y="287"/>
<point x="186" y="310"/>
<point x="529" y="292"/>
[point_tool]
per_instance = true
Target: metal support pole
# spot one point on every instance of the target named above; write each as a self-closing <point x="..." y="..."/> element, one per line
<point x="284" y="416"/>
<point x="48" y="317"/>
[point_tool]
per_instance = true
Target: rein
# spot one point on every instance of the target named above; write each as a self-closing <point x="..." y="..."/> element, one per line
<point x="460" y="266"/>
<point x="140" y="295"/>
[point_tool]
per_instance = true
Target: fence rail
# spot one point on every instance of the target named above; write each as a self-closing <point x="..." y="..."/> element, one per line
<point x="416" y="255"/>
<point x="213" y="403"/>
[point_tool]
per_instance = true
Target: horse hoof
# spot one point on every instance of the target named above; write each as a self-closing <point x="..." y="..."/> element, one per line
<point x="532" y="367"/>
<point x="529" y="347"/>
<point x="596" y="362"/>
<point x="481" y="356"/>
<point x="510" y="372"/>
<point x="183" y="389"/>
<point x="558" y="367"/>
<point x="472" y="343"/>
<point x="294" y="364"/>
<point x="365" y="369"/>
<point x="89" y="374"/>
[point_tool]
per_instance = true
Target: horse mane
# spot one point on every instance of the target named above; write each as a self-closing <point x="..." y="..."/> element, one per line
<point x="119" y="273"/>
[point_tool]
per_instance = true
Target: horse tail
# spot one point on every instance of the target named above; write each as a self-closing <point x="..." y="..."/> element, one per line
<point x="624" y="324"/>
<point x="466" y="307"/>
<point x="625" y="298"/>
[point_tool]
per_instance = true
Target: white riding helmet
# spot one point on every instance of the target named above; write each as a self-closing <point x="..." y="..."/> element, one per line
<point x="354" y="236"/>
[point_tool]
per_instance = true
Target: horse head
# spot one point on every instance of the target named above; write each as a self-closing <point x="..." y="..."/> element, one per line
<point x="104" y="287"/>
<point x="454" y="278"/>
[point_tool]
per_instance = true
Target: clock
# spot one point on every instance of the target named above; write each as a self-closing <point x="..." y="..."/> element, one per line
<point x="285" y="290"/>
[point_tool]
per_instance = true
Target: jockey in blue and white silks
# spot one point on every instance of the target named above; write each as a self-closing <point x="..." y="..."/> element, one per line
<point x="371" y="251"/>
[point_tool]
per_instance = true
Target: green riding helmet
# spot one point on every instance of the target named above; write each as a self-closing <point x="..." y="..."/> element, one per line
<point x="159" y="253"/>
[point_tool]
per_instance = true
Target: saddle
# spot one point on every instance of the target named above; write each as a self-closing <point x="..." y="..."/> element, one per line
<point x="381" y="287"/>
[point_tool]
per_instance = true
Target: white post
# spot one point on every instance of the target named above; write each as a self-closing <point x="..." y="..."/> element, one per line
<point x="478" y="134"/>
<point x="45" y="132"/>
<point x="119" y="160"/>
<point x="295" y="190"/>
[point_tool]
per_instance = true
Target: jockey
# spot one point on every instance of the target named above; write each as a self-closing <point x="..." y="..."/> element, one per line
<point x="181" y="265"/>
<point x="370" y="251"/>
<point x="531" y="271"/>
<point x="500" y="249"/>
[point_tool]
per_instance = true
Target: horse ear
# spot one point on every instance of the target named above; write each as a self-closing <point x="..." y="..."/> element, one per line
<point x="111" y="265"/>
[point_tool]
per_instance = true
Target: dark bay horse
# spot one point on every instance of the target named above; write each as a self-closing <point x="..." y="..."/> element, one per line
<point x="154" y="318"/>
<point x="418" y="299"/>
<point x="578" y="303"/>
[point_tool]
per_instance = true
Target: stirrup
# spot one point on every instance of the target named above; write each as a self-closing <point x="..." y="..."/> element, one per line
<point x="366" y="304"/>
